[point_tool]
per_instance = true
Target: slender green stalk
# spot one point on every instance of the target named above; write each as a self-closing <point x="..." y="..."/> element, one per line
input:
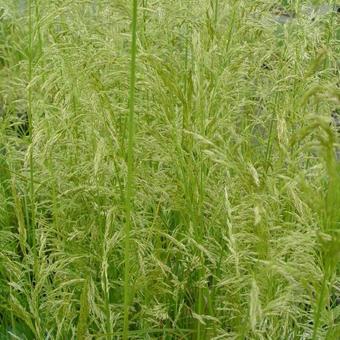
<point x="30" y="127"/>
<point x="130" y="176"/>
<point x="32" y="205"/>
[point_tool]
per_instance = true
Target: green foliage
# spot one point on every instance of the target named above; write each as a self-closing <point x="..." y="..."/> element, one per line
<point x="190" y="193"/>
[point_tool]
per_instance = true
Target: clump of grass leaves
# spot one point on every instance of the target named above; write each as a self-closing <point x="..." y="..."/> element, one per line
<point x="187" y="191"/>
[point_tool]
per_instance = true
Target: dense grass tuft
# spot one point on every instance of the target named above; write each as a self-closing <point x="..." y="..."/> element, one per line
<point x="174" y="175"/>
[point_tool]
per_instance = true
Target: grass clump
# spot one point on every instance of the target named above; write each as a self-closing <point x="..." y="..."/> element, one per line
<point x="187" y="191"/>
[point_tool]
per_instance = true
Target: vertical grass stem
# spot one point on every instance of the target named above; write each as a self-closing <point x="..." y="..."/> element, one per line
<point x="130" y="174"/>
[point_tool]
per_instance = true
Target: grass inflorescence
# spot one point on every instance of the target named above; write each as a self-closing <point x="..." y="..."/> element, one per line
<point x="168" y="170"/>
